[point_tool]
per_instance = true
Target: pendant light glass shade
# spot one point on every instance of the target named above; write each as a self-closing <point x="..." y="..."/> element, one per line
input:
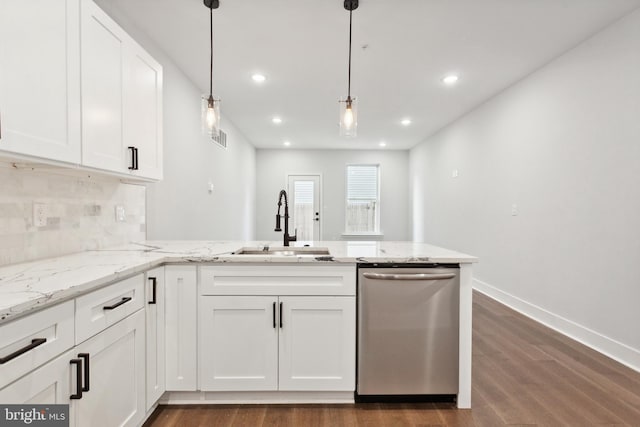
<point x="210" y="116"/>
<point x="348" y="117"/>
<point x="348" y="107"/>
<point x="210" y="108"/>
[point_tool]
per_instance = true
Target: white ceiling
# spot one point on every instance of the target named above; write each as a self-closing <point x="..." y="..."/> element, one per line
<point x="302" y="46"/>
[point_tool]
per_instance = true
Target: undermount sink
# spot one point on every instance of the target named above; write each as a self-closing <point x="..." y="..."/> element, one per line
<point x="283" y="251"/>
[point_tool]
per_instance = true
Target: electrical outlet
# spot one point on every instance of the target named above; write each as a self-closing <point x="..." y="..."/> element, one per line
<point x="120" y="214"/>
<point x="514" y="210"/>
<point x="454" y="173"/>
<point x="40" y="214"/>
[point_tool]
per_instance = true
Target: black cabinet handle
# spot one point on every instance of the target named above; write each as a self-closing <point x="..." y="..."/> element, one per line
<point x="133" y="158"/>
<point x="124" y="300"/>
<point x="154" y="283"/>
<point x="274" y="315"/>
<point x="34" y="343"/>
<point x="281" y="315"/>
<point x="78" y="394"/>
<point x="87" y="372"/>
<point x="136" y="157"/>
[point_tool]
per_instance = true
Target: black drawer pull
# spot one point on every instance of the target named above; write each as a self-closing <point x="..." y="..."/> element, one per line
<point x="87" y="372"/>
<point x="34" y="343"/>
<point x="78" y="363"/>
<point x="124" y="300"/>
<point x="153" y="292"/>
<point x="281" y="315"/>
<point x="133" y="158"/>
<point x="274" y="315"/>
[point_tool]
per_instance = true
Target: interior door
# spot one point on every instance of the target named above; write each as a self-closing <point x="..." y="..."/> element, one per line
<point x="304" y="206"/>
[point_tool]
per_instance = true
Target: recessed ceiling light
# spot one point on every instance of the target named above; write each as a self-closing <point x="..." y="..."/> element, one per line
<point x="277" y="120"/>
<point x="406" y="122"/>
<point x="286" y="143"/>
<point x="451" y="79"/>
<point x="258" y="78"/>
<point x="382" y="144"/>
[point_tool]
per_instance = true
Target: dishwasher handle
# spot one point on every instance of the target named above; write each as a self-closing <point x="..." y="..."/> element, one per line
<point x="407" y="276"/>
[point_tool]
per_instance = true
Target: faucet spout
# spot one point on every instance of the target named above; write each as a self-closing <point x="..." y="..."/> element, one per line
<point x="286" y="238"/>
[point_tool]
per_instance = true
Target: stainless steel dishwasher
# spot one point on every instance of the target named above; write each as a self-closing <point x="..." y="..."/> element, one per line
<point x="407" y="331"/>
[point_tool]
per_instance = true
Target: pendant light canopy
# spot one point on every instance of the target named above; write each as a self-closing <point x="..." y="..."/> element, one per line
<point x="348" y="107"/>
<point x="210" y="105"/>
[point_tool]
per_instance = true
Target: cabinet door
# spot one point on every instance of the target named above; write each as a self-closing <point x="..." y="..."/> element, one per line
<point x="48" y="385"/>
<point x="143" y="110"/>
<point x="181" y="328"/>
<point x="116" y="395"/>
<point x="102" y="87"/>
<point x="155" y="335"/>
<point x="317" y="343"/>
<point x="39" y="78"/>
<point x="238" y="343"/>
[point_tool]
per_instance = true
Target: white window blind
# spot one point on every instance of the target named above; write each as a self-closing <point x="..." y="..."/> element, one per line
<point x="362" y="182"/>
<point x="303" y="192"/>
<point x="362" y="207"/>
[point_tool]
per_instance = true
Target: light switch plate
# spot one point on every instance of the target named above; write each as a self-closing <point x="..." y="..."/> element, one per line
<point x="40" y="214"/>
<point x="120" y="214"/>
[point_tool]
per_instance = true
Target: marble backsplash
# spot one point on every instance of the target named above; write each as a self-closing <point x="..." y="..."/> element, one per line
<point x="80" y="213"/>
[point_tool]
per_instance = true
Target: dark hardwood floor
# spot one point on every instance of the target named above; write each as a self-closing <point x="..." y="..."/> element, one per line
<point x="523" y="374"/>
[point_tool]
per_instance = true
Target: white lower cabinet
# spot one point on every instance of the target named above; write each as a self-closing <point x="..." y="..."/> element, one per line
<point x="317" y="343"/>
<point x="238" y="343"/>
<point x="181" y="328"/>
<point x="286" y="343"/>
<point x="101" y="379"/>
<point x="50" y="384"/>
<point x="155" y="335"/>
<point x="116" y="380"/>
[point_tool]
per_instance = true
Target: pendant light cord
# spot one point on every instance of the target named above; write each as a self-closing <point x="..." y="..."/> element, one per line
<point x="211" y="52"/>
<point x="349" y="84"/>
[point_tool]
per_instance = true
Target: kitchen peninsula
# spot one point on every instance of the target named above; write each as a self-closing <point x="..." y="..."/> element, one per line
<point x="190" y="270"/>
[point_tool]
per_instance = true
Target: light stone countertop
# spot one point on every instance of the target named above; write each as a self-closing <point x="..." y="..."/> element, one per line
<point x="33" y="285"/>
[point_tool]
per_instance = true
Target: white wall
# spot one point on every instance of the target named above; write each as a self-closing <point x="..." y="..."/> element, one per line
<point x="564" y="145"/>
<point x="274" y="165"/>
<point x="180" y="206"/>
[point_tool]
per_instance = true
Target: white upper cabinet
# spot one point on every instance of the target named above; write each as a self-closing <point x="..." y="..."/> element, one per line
<point x="102" y="89"/>
<point x="40" y="79"/>
<point x="143" y="111"/>
<point x="121" y="99"/>
<point x="76" y="88"/>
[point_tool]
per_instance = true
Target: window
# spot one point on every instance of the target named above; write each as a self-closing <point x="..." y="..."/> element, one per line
<point x="362" y="205"/>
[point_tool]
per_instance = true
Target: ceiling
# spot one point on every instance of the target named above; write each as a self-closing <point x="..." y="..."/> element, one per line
<point x="401" y="51"/>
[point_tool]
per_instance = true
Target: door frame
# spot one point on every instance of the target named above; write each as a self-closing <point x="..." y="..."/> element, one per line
<point x="320" y="198"/>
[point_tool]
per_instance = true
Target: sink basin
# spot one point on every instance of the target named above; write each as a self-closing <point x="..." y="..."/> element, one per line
<point x="284" y="251"/>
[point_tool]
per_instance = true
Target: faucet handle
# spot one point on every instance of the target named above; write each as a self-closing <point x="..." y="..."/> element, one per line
<point x="294" y="238"/>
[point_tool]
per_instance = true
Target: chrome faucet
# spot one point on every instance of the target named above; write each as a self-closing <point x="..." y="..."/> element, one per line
<point x="287" y="238"/>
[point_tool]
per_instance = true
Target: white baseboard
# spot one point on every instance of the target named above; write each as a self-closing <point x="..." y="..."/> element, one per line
<point x="254" y="397"/>
<point x="617" y="351"/>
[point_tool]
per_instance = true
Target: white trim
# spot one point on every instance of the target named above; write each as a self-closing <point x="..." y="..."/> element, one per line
<point x="254" y="397"/>
<point x="617" y="351"/>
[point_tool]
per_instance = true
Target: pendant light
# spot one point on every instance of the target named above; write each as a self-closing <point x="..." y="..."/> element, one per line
<point x="348" y="107"/>
<point x="210" y="105"/>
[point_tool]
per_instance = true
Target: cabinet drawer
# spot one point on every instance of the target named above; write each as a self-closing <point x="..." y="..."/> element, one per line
<point x="31" y="341"/>
<point x="278" y="279"/>
<point x="102" y="308"/>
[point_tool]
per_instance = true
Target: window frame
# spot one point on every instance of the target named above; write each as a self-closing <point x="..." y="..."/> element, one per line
<point x="377" y="231"/>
